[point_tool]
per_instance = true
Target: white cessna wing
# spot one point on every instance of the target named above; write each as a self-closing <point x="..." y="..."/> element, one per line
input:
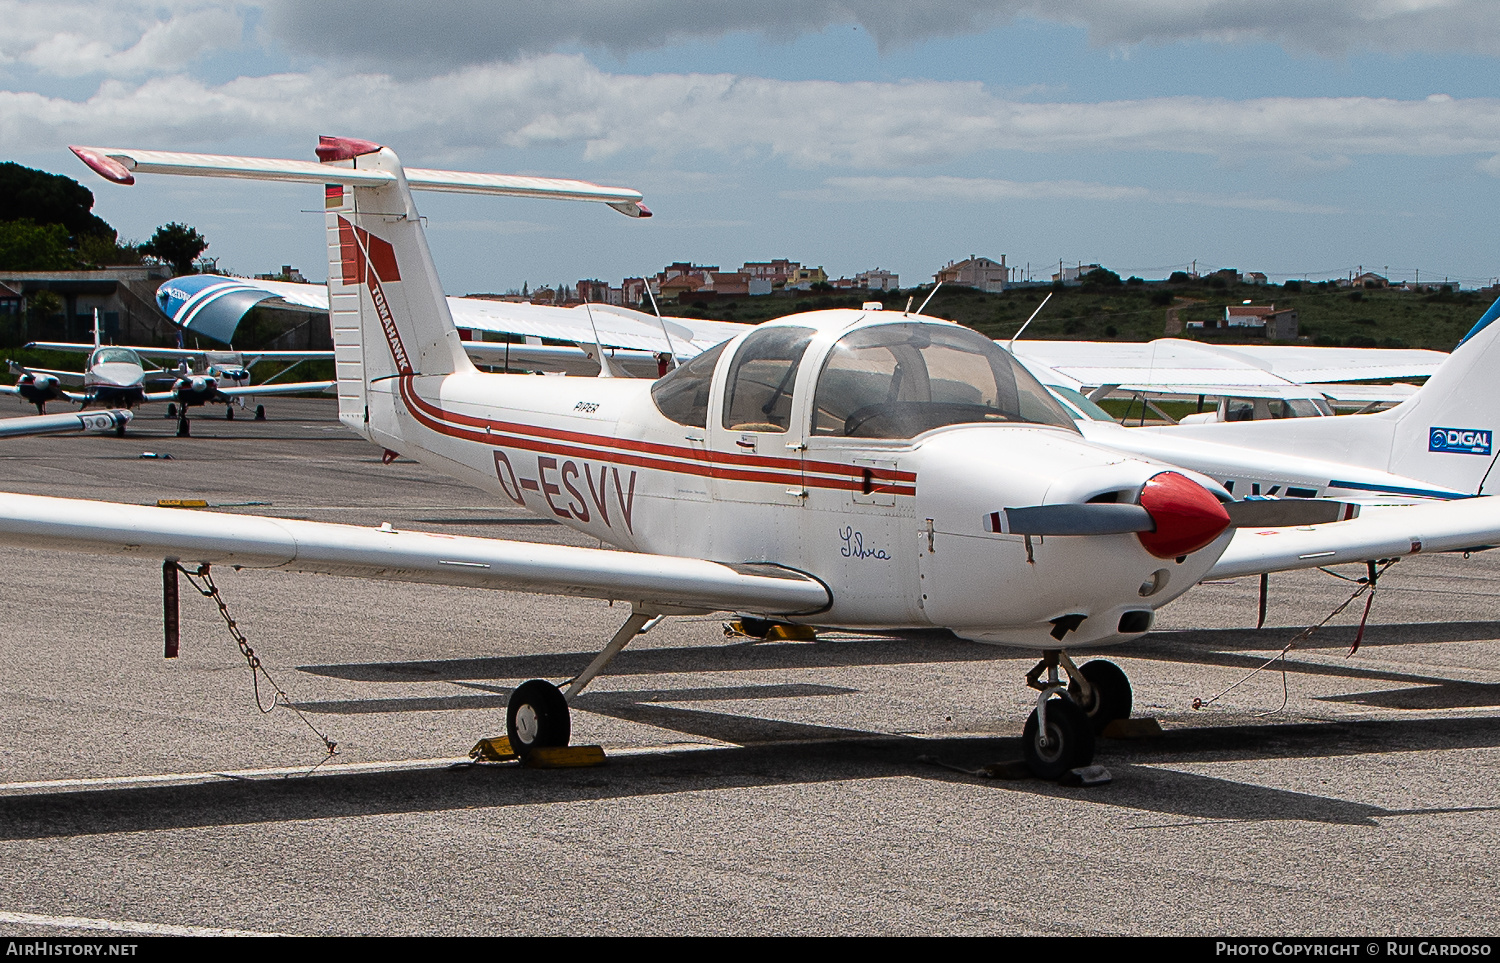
<point x="834" y="468"/>
<point x="1182" y="368"/>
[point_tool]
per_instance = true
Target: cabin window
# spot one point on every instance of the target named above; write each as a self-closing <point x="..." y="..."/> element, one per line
<point x="759" y="392"/>
<point x="899" y="380"/>
<point x="682" y="394"/>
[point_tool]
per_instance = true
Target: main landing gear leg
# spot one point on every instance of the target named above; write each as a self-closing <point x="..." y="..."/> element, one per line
<point x="184" y="430"/>
<point x="1058" y="735"/>
<point x="537" y="714"/>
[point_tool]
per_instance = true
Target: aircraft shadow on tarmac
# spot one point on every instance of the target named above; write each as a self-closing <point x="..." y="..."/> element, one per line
<point x="765" y="752"/>
<point x="1140" y="785"/>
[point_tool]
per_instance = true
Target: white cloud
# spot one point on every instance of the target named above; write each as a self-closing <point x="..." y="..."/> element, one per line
<point x="385" y="33"/>
<point x="1491" y="165"/>
<point x="563" y="101"/>
<point x="113" y="38"/>
<point x="992" y="190"/>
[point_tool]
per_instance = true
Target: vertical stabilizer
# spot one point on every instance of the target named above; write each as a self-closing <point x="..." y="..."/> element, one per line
<point x="1445" y="433"/>
<point x="386" y="305"/>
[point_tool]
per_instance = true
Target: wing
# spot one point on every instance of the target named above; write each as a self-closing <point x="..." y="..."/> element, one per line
<point x="279" y="388"/>
<point x="213" y="306"/>
<point x="656" y="583"/>
<point x="1176" y="366"/>
<point x="1379" y="532"/>
<point x="106" y="420"/>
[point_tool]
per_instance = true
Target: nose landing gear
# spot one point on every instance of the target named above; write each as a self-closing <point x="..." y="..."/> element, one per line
<point x="1059" y="734"/>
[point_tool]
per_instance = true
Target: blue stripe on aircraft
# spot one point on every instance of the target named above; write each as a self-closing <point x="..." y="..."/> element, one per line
<point x="1397" y="490"/>
<point x="1484" y="321"/>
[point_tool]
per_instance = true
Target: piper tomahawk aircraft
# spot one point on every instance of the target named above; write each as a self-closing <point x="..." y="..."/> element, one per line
<point x="837" y="468"/>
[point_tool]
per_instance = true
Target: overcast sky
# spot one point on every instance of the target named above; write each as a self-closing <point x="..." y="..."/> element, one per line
<point x="1302" y="138"/>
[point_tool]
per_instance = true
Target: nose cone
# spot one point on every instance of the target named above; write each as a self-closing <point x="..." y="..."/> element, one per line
<point x="1187" y="516"/>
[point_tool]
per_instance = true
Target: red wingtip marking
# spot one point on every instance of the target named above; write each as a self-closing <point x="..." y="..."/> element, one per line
<point x="103" y="165"/>
<point x="1187" y="515"/>
<point x="645" y="211"/>
<point x="343" y="148"/>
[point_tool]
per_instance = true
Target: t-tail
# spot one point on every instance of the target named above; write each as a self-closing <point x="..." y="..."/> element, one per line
<point x="390" y="320"/>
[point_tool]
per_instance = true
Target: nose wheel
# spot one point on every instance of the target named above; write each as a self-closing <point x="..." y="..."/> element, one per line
<point x="1059" y="735"/>
<point x="1061" y="741"/>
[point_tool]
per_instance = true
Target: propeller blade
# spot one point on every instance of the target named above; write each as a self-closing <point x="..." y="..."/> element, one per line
<point x="1092" y="518"/>
<point x="1288" y="512"/>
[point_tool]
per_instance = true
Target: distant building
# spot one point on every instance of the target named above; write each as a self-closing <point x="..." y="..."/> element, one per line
<point x="975" y="272"/>
<point x="1256" y="319"/>
<point x="776" y="271"/>
<point x="1253" y="277"/>
<point x="1074" y="275"/>
<point x="880" y="280"/>
<point x="287" y="273"/>
<point x="125" y="298"/>
<point x="802" y="278"/>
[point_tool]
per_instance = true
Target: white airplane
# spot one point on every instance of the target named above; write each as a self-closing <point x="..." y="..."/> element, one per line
<point x="838" y="468"/>
<point x="117" y="375"/>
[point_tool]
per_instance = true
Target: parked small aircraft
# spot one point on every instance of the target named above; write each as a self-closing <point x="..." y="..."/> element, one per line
<point x="118" y="375"/>
<point x="838" y="468"/>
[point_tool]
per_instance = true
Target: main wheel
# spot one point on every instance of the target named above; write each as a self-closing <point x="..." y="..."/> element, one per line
<point x="183" y="430"/>
<point x="1070" y="740"/>
<point x="171" y="411"/>
<point x="229" y="413"/>
<point x="537" y="715"/>
<point x="260" y="412"/>
<point x="1112" y="697"/>
<point x="120" y="429"/>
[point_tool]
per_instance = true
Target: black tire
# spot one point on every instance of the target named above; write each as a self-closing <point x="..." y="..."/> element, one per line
<point x="536" y="716"/>
<point x="120" y="429"/>
<point x="260" y="412"/>
<point x="184" y="429"/>
<point x="1112" y="696"/>
<point x="1070" y="740"/>
<point x="171" y="411"/>
<point x="229" y="413"/>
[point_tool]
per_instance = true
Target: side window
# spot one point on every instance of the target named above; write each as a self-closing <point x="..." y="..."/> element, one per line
<point x="682" y="395"/>
<point x="759" y="392"/>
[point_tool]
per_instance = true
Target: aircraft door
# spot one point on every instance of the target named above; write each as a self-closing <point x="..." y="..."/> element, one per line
<point x="755" y="445"/>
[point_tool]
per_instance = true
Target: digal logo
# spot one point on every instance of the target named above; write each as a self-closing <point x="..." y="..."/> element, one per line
<point x="1465" y="441"/>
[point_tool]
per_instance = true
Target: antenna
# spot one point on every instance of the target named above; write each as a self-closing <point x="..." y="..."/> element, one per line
<point x="665" y="333"/>
<point x="909" y="300"/>
<point x="930" y="297"/>
<point x="96" y="329"/>
<point x="1012" y="344"/>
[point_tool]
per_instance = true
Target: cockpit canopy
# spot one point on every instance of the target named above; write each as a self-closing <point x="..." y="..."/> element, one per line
<point x="110" y="355"/>
<point x="890" y="381"/>
<point x="899" y="380"/>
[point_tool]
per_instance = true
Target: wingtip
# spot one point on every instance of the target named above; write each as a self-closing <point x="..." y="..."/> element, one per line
<point x="104" y="165"/>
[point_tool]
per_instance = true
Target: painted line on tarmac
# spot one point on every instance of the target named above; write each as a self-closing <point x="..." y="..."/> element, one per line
<point x="106" y="782"/>
<point x="125" y="926"/>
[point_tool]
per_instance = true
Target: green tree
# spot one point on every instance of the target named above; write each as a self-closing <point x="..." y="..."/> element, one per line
<point x="28" y="246"/>
<point x="177" y="245"/>
<point x="98" y="250"/>
<point x="33" y="195"/>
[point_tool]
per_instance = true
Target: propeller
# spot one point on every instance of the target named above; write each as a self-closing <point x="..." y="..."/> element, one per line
<point x="1175" y="516"/>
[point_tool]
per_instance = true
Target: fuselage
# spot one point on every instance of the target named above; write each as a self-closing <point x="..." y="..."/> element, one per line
<point x="757" y="461"/>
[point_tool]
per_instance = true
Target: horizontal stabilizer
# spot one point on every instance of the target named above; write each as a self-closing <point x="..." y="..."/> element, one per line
<point x="120" y="165"/>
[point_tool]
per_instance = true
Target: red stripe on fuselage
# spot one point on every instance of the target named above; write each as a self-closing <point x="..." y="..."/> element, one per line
<point x="511" y="435"/>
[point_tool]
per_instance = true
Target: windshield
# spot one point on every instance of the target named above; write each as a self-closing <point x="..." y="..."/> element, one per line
<point x="1079" y="400"/>
<point x="115" y="356"/>
<point x="682" y="394"/>
<point x="899" y="380"/>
